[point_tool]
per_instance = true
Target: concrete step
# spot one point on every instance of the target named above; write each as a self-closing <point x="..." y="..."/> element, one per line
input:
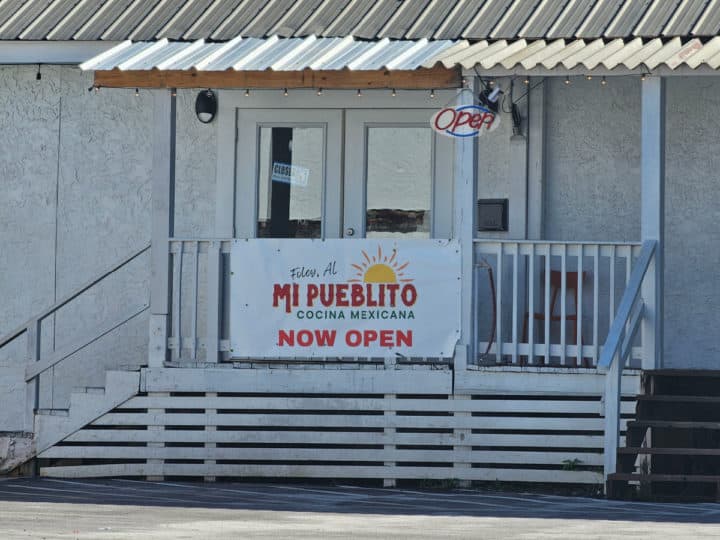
<point x="88" y="390"/>
<point x="53" y="412"/>
<point x="85" y="408"/>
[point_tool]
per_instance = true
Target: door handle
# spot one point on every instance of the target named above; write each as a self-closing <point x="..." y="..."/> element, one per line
<point x="349" y="231"/>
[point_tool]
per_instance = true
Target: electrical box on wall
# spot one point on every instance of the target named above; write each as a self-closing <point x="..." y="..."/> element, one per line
<point x="492" y="215"/>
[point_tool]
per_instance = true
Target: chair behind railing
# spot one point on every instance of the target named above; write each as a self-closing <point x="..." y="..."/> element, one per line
<point x="531" y="308"/>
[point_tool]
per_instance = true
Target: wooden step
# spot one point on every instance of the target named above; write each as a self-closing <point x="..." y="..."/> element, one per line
<point x="673" y="424"/>
<point x="679" y="399"/>
<point x="653" y="477"/>
<point x="671" y="451"/>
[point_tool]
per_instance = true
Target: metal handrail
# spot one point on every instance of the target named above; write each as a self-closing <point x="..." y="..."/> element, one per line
<point x="625" y="310"/>
<point x="617" y="348"/>
<point x="69" y="298"/>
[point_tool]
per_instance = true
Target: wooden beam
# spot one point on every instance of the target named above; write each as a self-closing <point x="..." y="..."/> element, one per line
<point x="424" y="78"/>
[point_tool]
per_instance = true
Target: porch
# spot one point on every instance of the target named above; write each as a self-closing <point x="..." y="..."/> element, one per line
<point x="540" y="323"/>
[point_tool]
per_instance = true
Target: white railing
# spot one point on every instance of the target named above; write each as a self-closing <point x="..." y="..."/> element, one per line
<point x="40" y="360"/>
<point x="617" y="349"/>
<point x="197" y="323"/>
<point x="548" y="303"/>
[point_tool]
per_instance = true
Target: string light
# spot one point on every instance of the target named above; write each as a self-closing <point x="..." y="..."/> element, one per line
<point x="359" y="93"/>
<point x="394" y="93"/>
<point x="603" y="81"/>
<point x="588" y="77"/>
<point x="247" y="92"/>
<point x="526" y="81"/>
<point x="97" y="88"/>
<point x="643" y="76"/>
<point x="432" y="93"/>
<point x="137" y="92"/>
<point x="491" y="83"/>
<point x="319" y="92"/>
<point x="567" y="80"/>
<point x="285" y="92"/>
<point x="173" y="92"/>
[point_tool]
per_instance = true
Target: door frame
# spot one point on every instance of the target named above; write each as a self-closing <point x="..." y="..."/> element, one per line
<point x="232" y="102"/>
<point x="250" y="122"/>
<point x="357" y="124"/>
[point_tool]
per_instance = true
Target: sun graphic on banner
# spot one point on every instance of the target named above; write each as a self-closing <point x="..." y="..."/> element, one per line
<point x="380" y="268"/>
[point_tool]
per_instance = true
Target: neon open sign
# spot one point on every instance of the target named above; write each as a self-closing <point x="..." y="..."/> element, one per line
<point x="465" y="121"/>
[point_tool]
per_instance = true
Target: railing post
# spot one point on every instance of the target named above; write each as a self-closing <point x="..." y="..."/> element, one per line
<point x="32" y="389"/>
<point x="613" y="380"/>
<point x="652" y="167"/>
<point x="214" y="300"/>
<point x="465" y="189"/>
<point x="163" y="217"/>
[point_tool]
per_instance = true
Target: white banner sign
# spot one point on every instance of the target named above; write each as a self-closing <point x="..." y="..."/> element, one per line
<point x="344" y="298"/>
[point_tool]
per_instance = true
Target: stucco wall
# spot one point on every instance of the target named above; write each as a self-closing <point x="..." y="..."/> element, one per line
<point x="692" y="223"/>
<point x="593" y="160"/>
<point x="75" y="168"/>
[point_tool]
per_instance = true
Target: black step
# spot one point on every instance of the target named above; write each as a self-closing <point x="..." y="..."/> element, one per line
<point x="678" y="382"/>
<point x="686" y="409"/>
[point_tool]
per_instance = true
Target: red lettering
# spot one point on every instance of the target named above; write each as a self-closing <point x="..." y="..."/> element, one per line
<point x="304" y="338"/>
<point x="462" y="119"/>
<point x="356" y="295"/>
<point x="312" y="293"/>
<point x="382" y="295"/>
<point x="393" y="289"/>
<point x="341" y="295"/>
<point x="286" y="338"/>
<point x="296" y="294"/>
<point x="408" y="295"/>
<point x="488" y="119"/>
<point x="281" y="292"/>
<point x="325" y="338"/>
<point x="326" y="294"/>
<point x="404" y="338"/>
<point x="439" y="116"/>
<point x="370" y="301"/>
<point x="369" y="337"/>
<point x="386" y="338"/>
<point x="353" y="338"/>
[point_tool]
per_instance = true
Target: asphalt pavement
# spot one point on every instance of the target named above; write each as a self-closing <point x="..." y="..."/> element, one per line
<point x="135" y="509"/>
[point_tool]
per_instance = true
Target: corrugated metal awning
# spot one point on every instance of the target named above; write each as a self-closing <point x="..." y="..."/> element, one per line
<point x="145" y="20"/>
<point x="637" y="54"/>
<point x="273" y="53"/>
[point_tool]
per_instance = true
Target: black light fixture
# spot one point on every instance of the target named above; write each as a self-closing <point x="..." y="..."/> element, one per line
<point x="206" y="106"/>
<point x="489" y="98"/>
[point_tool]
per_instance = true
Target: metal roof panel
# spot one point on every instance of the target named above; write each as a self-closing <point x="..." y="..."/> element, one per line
<point x="570" y="19"/>
<point x="109" y="12"/>
<point x="129" y="19"/>
<point x="22" y="18"/>
<point x="514" y="19"/>
<point x="48" y="19"/>
<point x="213" y="16"/>
<point x="486" y="19"/>
<point x="428" y="20"/>
<point x="627" y="18"/>
<point x="542" y="19"/>
<point x="685" y="17"/>
<point x="597" y="21"/>
<point x="151" y="26"/>
<point x="404" y="19"/>
<point x="234" y="23"/>
<point x="656" y="17"/>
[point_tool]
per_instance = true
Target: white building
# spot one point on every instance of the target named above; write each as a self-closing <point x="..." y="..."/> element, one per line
<point x="123" y="194"/>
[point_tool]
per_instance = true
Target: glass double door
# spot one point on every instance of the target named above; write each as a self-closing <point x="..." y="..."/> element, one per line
<point x="334" y="173"/>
